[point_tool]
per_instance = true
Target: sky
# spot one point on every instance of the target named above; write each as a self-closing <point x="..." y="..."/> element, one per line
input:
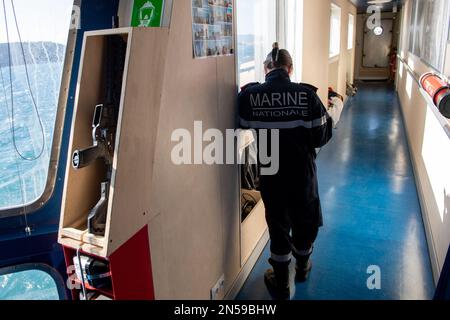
<point x="245" y="16"/>
<point x="39" y="20"/>
<point x="252" y="14"/>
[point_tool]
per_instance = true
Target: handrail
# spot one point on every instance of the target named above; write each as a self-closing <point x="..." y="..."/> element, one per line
<point x="430" y="103"/>
<point x="415" y="75"/>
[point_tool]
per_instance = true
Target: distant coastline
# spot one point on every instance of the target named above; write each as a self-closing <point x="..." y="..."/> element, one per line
<point x="35" y="53"/>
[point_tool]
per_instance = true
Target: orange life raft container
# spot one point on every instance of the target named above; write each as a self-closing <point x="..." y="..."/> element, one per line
<point x="438" y="90"/>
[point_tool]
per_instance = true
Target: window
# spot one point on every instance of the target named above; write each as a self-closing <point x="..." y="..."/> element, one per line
<point x="412" y="26"/>
<point x="260" y="23"/>
<point x="427" y="32"/>
<point x="29" y="91"/>
<point x="256" y="32"/>
<point x="293" y="29"/>
<point x="31" y="284"/>
<point x="335" y="31"/>
<point x="351" y="31"/>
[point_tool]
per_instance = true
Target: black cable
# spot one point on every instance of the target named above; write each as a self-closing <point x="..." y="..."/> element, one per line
<point x="83" y="283"/>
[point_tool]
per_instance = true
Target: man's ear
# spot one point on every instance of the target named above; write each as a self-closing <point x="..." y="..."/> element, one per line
<point x="291" y="70"/>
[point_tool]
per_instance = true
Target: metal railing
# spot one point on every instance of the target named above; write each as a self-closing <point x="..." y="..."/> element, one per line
<point x="445" y="123"/>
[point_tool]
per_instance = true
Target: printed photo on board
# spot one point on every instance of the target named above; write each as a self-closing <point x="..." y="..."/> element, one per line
<point x="212" y="28"/>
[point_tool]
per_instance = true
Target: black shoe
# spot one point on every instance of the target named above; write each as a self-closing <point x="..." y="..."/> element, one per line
<point x="277" y="280"/>
<point x="277" y="291"/>
<point x="302" y="271"/>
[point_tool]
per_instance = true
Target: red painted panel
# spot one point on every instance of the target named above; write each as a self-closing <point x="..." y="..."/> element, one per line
<point x="131" y="269"/>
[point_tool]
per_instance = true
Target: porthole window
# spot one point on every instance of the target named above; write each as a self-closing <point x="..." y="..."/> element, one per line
<point x="21" y="283"/>
<point x="33" y="37"/>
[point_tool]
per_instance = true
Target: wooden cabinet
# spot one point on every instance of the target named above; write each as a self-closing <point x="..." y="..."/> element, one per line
<point x="253" y="223"/>
<point x="132" y="169"/>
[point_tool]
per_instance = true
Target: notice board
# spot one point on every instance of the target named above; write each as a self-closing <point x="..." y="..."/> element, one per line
<point x="212" y="28"/>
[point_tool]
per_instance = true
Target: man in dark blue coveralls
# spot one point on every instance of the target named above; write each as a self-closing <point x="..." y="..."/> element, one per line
<point x="291" y="196"/>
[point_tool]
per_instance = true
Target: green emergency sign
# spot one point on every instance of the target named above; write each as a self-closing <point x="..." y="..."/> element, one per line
<point x="147" y="13"/>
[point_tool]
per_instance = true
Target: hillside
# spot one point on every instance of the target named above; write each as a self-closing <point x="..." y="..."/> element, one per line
<point x="35" y="52"/>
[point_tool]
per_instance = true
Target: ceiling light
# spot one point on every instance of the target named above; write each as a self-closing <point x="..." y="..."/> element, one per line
<point x="379" y="1"/>
<point x="378" y="31"/>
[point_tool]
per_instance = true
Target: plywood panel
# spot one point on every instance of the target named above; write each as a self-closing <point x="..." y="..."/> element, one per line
<point x="229" y="174"/>
<point x="253" y="229"/>
<point x="133" y="165"/>
<point x="82" y="187"/>
<point x="189" y="198"/>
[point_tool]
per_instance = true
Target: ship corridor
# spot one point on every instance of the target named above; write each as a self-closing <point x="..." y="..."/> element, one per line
<point x="110" y="198"/>
<point x="371" y="210"/>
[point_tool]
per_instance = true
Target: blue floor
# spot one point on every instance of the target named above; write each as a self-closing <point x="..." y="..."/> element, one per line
<point x="371" y="211"/>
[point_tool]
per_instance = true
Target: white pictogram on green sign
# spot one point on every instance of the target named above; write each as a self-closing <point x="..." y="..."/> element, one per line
<point x="147" y="13"/>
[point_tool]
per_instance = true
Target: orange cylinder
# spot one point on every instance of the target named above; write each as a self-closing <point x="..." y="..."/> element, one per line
<point x="438" y="90"/>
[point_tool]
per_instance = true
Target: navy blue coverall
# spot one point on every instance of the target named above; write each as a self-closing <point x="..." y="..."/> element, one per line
<point x="291" y="196"/>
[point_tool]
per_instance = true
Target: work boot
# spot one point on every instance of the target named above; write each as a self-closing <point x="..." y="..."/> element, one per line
<point x="277" y="280"/>
<point x="303" y="268"/>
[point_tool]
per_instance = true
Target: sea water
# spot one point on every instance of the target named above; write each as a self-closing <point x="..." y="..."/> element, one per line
<point x="28" y="285"/>
<point x="45" y="82"/>
<point x="21" y="181"/>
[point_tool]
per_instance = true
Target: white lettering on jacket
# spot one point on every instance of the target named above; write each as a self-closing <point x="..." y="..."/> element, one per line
<point x="279" y="99"/>
<point x="280" y="113"/>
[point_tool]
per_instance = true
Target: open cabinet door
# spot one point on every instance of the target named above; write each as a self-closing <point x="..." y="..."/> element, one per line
<point x="28" y="235"/>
